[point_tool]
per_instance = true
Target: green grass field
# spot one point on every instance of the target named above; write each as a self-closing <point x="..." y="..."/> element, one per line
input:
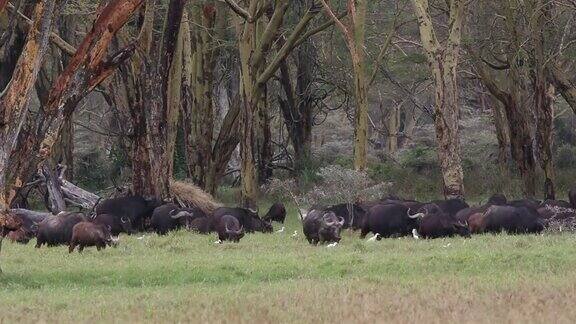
<point x="271" y="278"/>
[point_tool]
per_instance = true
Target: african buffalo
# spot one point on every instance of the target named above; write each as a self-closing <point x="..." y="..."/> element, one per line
<point x="276" y="213"/>
<point x="353" y="214"/>
<point x="526" y="202"/>
<point x="388" y="220"/>
<point x="202" y="225"/>
<point x="451" y="206"/>
<point x="229" y="229"/>
<point x="137" y="208"/>
<point x="322" y="227"/>
<point x="29" y="224"/>
<point x="433" y="222"/>
<point x="117" y="225"/>
<point x="90" y="234"/>
<point x="248" y="218"/>
<point x="170" y="217"/>
<point x="511" y="219"/>
<point x="464" y="214"/>
<point x="57" y="230"/>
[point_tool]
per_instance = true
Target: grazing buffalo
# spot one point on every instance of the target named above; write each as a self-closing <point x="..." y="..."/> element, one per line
<point x="89" y="234"/>
<point x="171" y="217"/>
<point x="451" y="206"/>
<point x="496" y="199"/>
<point x="229" y="229"/>
<point x="322" y="227"/>
<point x="276" y="213"/>
<point x="117" y="225"/>
<point x="202" y="225"/>
<point x="353" y="214"/>
<point x="433" y="222"/>
<point x="29" y="221"/>
<point x="526" y="202"/>
<point x="137" y="208"/>
<point x="514" y="220"/>
<point x="388" y="220"/>
<point x="57" y="230"/>
<point x="248" y="218"/>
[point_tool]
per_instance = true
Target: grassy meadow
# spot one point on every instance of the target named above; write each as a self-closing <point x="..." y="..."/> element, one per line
<point x="269" y="278"/>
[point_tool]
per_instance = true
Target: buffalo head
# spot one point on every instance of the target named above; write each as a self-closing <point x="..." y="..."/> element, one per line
<point x="233" y="235"/>
<point x="330" y="227"/>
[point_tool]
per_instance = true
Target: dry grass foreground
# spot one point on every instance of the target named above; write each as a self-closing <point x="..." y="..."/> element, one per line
<point x="276" y="278"/>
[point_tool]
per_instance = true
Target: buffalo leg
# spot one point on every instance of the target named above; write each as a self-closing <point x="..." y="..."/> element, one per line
<point x="81" y="248"/>
<point x="72" y="247"/>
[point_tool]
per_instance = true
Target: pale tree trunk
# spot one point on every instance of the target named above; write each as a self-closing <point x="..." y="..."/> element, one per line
<point x="393" y="128"/>
<point x="443" y="61"/>
<point x="257" y="67"/>
<point x="543" y="98"/>
<point x="502" y="135"/>
<point x="354" y="35"/>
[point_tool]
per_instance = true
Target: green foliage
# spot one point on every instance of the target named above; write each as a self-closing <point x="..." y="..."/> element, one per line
<point x="420" y="158"/>
<point x="566" y="157"/>
<point x="92" y="171"/>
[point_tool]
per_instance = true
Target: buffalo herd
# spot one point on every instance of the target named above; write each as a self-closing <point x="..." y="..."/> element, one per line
<point x="388" y="217"/>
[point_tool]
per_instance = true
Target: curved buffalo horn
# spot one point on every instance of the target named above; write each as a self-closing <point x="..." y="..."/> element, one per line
<point x="341" y="222"/>
<point x="241" y="230"/>
<point x="182" y="214"/>
<point x="172" y="211"/>
<point x="252" y="210"/>
<point x="124" y="219"/>
<point x="417" y="215"/>
<point x="326" y="219"/>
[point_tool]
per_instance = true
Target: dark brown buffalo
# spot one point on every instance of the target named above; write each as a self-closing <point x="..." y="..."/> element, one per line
<point x="322" y="227"/>
<point x="202" y="225"/>
<point x="248" y="218"/>
<point x="19" y="236"/>
<point x="353" y="214"/>
<point x="171" y="217"/>
<point x="276" y="213"/>
<point x="137" y="208"/>
<point x="434" y="222"/>
<point x="496" y="199"/>
<point x="514" y="220"/>
<point x="526" y="202"/>
<point x="29" y="221"/>
<point x="451" y="206"/>
<point x="57" y="230"/>
<point x="389" y="220"/>
<point x="89" y="234"/>
<point x="229" y="229"/>
<point x="117" y="225"/>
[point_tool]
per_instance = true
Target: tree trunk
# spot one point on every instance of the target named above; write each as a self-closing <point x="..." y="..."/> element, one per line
<point x="162" y="112"/>
<point x="502" y="135"/>
<point x="393" y="128"/>
<point x="14" y="102"/>
<point x="443" y="61"/>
